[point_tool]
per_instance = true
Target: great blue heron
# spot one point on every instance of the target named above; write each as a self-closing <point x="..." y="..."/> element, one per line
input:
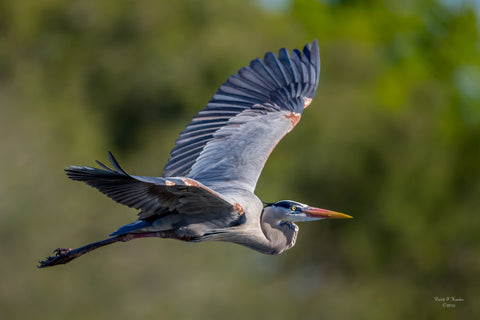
<point x="206" y="192"/>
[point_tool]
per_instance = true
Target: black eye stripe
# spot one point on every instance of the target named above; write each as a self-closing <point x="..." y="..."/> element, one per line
<point x="286" y="204"/>
<point x="283" y="204"/>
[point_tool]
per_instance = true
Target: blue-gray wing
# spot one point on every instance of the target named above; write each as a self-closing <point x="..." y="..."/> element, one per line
<point x="227" y="144"/>
<point x="156" y="196"/>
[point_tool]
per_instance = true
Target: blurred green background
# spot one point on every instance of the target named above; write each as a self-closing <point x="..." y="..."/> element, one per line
<point x="392" y="138"/>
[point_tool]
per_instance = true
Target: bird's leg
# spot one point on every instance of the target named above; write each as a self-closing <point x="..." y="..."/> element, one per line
<point x="63" y="255"/>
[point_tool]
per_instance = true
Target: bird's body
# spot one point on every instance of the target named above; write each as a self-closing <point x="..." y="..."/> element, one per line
<point x="207" y="190"/>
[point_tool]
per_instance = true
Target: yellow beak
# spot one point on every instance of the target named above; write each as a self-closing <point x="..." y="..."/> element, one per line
<point x="323" y="213"/>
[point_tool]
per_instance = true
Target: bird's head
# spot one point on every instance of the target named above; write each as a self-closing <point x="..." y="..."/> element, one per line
<point x="296" y="212"/>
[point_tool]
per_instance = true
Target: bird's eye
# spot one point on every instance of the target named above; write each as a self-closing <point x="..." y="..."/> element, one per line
<point x="293" y="208"/>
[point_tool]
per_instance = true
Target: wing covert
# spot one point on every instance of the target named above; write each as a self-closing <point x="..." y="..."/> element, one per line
<point x="228" y="142"/>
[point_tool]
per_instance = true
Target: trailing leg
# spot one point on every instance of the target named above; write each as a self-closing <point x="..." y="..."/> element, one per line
<point x="63" y="255"/>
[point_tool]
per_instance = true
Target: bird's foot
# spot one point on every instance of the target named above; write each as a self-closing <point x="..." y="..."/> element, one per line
<point x="62" y="256"/>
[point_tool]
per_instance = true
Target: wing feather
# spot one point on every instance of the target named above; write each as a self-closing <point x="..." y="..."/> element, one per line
<point x="274" y="64"/>
<point x="247" y="86"/>
<point x="249" y="76"/>
<point x="151" y="195"/>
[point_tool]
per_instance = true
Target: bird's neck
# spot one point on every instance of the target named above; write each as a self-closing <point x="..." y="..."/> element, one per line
<point x="271" y="236"/>
<point x="279" y="235"/>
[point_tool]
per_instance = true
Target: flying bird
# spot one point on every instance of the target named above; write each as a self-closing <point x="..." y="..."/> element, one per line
<point x="206" y="192"/>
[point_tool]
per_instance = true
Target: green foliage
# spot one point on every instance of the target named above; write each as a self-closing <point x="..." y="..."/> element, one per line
<point x="391" y="138"/>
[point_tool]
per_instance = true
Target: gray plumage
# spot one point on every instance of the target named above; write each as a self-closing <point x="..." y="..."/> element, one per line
<point x="206" y="191"/>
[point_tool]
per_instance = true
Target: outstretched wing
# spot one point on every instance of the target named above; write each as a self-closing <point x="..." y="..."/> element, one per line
<point x="155" y="196"/>
<point x="227" y="144"/>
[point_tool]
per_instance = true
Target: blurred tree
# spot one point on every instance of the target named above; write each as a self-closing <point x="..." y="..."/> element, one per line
<point x="391" y="138"/>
